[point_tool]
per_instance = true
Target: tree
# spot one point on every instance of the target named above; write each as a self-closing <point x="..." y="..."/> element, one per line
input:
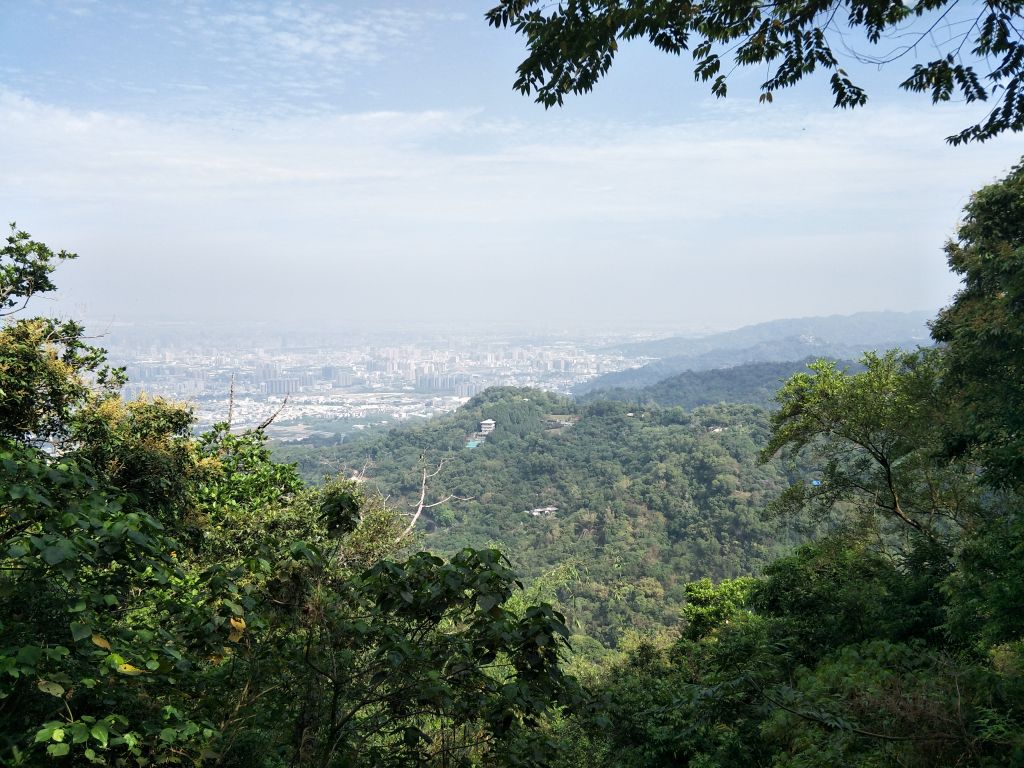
<point x="172" y="599"/>
<point x="25" y="269"/>
<point x="978" y="57"/>
<point x="709" y="606"/>
<point x="983" y="332"/>
<point x="872" y="437"/>
<point x="43" y="362"/>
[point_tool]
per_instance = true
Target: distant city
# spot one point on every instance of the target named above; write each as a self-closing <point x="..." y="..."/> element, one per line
<point x="335" y="385"/>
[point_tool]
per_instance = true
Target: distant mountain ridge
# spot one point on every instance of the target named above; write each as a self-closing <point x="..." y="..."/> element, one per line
<point x="753" y="383"/>
<point x="834" y="336"/>
<point x="839" y="329"/>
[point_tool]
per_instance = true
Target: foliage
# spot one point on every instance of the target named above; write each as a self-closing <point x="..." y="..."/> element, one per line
<point x="572" y="46"/>
<point x="646" y="499"/>
<point x="892" y="637"/>
<point x="896" y="639"/>
<point x="754" y="383"/>
<point x="872" y="437"/>
<point x="168" y="599"/>
<point x="25" y="269"/>
<point x="983" y="330"/>
<point x="709" y="606"/>
<point x="984" y="592"/>
<point x="172" y="599"/>
<point x="836" y="657"/>
<point x="422" y="656"/>
<point x="44" y="366"/>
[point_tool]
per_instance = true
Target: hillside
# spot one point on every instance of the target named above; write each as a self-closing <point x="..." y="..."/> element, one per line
<point x="836" y="337"/>
<point x="646" y="499"/>
<point x="754" y="383"/>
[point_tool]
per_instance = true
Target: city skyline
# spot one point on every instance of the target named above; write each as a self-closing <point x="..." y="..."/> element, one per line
<point x="333" y="390"/>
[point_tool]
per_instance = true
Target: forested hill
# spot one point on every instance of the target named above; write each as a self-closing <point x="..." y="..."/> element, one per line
<point x="836" y="337"/>
<point x="646" y="499"/>
<point x="754" y="383"/>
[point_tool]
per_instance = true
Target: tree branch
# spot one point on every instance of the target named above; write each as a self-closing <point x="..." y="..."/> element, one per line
<point x="421" y="504"/>
<point x="266" y="423"/>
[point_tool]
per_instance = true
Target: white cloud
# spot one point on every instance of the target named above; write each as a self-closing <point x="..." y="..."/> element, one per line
<point x="187" y="57"/>
<point x="344" y="214"/>
<point x="301" y="36"/>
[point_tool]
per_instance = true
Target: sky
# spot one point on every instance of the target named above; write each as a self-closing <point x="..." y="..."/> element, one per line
<point x="350" y="164"/>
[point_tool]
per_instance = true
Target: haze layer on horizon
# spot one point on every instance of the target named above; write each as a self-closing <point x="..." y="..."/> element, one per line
<point x="312" y="164"/>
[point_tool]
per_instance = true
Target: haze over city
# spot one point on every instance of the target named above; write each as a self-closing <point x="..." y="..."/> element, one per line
<point x="390" y="418"/>
<point x="364" y="165"/>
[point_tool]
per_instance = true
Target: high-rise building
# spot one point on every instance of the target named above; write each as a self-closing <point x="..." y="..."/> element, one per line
<point x="287" y="386"/>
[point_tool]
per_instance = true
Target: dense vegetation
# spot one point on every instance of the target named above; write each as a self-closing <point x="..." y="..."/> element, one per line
<point x="772" y="350"/>
<point x="647" y="498"/>
<point x="754" y="383"/>
<point x="898" y="638"/>
<point x="892" y="637"/>
<point x="168" y="599"/>
<point x="172" y="600"/>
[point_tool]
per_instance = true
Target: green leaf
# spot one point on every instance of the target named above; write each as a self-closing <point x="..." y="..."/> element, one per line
<point x="101" y="732"/>
<point x="80" y="631"/>
<point x="29" y="655"/>
<point x="59" y="552"/>
<point x="51" y="688"/>
<point x="58" y="750"/>
<point x="18" y="550"/>
<point x="486" y="602"/>
<point x="169" y="735"/>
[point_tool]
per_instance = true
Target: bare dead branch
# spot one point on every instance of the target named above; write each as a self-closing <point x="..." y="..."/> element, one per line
<point x="449" y="497"/>
<point x="266" y="423"/>
<point x="422" y="504"/>
<point x="231" y="401"/>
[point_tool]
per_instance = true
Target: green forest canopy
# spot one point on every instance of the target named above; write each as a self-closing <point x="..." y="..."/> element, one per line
<point x="893" y="637"/>
<point x="169" y="599"/>
<point x="897" y="638"/>
<point x="647" y="498"/>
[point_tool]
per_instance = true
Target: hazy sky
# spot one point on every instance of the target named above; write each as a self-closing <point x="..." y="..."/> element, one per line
<point x="344" y="163"/>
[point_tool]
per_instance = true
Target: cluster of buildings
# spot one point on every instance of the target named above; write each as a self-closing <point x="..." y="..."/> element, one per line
<point x="541" y="511"/>
<point x="338" y="385"/>
<point x="479" y="437"/>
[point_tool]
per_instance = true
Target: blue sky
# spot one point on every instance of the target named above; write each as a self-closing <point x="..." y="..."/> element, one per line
<point x="353" y="163"/>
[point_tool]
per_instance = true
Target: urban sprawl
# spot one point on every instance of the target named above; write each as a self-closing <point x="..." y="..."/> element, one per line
<point x="333" y="389"/>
